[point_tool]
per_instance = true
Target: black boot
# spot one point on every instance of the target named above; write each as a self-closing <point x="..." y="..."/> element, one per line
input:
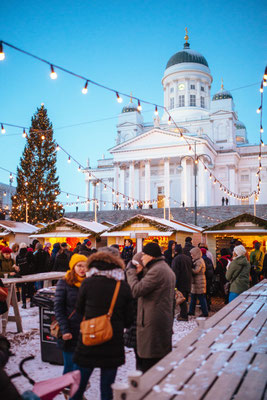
<point x="24" y="305"/>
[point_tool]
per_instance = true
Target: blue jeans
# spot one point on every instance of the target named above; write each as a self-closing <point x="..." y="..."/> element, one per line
<point x="108" y="376"/>
<point x="39" y="285"/>
<point x="232" y="296"/>
<point x="69" y="366"/>
<point x="203" y="304"/>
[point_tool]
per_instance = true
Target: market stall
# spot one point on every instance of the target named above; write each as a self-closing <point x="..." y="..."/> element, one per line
<point x="15" y="232"/>
<point x="71" y="231"/>
<point x="142" y="228"/>
<point x="245" y="227"/>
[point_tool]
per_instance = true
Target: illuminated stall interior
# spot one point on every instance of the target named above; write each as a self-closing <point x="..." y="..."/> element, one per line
<point x="245" y="227"/>
<point x="71" y="231"/>
<point x="148" y="228"/>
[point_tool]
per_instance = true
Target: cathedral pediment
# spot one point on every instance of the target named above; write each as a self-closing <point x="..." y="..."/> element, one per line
<point x="152" y="139"/>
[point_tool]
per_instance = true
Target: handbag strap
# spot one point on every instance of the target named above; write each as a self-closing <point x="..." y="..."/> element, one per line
<point x="69" y="317"/>
<point x="114" y="298"/>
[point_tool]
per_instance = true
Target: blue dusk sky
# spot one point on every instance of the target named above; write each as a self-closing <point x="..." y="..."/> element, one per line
<point x="124" y="45"/>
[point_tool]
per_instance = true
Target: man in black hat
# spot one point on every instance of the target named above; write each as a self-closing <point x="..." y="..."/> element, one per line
<point x="155" y="293"/>
<point x="188" y="246"/>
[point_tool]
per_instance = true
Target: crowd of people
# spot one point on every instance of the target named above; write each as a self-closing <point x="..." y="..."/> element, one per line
<point x="144" y="306"/>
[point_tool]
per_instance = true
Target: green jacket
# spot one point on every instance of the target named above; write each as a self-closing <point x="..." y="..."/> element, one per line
<point x="256" y="258"/>
<point x="241" y="283"/>
<point x="5" y="266"/>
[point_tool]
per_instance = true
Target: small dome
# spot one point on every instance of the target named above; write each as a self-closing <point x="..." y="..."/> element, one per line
<point x="223" y="94"/>
<point x="240" y="125"/>
<point x="131" y="107"/>
<point x="187" y="56"/>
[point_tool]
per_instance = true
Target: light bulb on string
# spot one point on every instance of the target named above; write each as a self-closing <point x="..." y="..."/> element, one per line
<point x="43" y="137"/>
<point x="67" y="195"/>
<point x="119" y="99"/>
<point x="265" y="73"/>
<point x="262" y="143"/>
<point x="261" y="88"/>
<point x="139" y="107"/>
<point x="105" y="187"/>
<point x="53" y="74"/>
<point x="264" y="82"/>
<point x="24" y="134"/>
<point x="259" y="110"/>
<point x="57" y="147"/>
<point x="261" y="129"/>
<point x="156" y="111"/>
<point x="169" y="120"/>
<point x="3" y="129"/>
<point x="69" y="160"/>
<point x="79" y="168"/>
<point x="2" y="54"/>
<point x="85" y="88"/>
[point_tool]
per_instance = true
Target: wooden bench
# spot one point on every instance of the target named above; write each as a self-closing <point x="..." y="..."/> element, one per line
<point x="225" y="359"/>
<point x="47" y="277"/>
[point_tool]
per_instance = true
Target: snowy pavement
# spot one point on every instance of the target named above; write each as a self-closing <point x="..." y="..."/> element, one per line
<point x="28" y="343"/>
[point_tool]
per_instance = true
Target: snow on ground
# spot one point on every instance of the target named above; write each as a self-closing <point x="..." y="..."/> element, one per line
<point x="28" y="343"/>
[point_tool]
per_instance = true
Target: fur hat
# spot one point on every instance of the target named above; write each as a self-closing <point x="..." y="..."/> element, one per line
<point x="196" y="253"/>
<point x="75" y="259"/>
<point x="6" y="250"/>
<point x="240" y="250"/>
<point x="152" y="249"/>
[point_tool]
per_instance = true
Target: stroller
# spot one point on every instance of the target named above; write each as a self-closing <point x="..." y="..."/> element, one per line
<point x="44" y="390"/>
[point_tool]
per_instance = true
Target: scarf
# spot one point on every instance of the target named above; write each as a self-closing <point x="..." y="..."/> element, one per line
<point x="117" y="273"/>
<point x="78" y="278"/>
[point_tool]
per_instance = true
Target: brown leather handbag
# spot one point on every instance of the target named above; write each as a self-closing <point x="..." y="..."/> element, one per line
<point x="99" y="330"/>
<point x="55" y="328"/>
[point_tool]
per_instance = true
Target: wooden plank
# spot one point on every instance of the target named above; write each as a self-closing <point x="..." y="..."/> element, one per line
<point x="246" y="338"/>
<point x="255" y="380"/>
<point x="182" y="372"/>
<point x="230" y="377"/>
<point x="229" y="314"/>
<point x="220" y="315"/>
<point x="197" y="386"/>
<point x="260" y="342"/>
<point x="14" y="303"/>
<point x="5" y="315"/>
<point x="35" y="277"/>
<point x="236" y="328"/>
<point x="158" y="372"/>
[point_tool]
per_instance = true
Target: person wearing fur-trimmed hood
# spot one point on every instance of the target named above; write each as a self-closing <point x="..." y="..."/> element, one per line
<point x="105" y="268"/>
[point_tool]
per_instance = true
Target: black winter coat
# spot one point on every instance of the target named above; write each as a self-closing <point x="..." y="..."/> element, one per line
<point x="168" y="253"/>
<point x="127" y="254"/>
<point x="94" y="300"/>
<point x="64" y="304"/>
<point x="25" y="262"/>
<point x="186" y="250"/>
<point x="40" y="262"/>
<point x="182" y="267"/>
<point x="61" y="262"/>
<point x="84" y="250"/>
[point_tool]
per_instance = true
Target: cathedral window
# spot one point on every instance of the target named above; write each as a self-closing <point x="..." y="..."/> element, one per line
<point x="192" y="100"/>
<point x="202" y="89"/>
<point x="171" y="102"/>
<point x="181" y="101"/>
<point x="192" y="87"/>
<point x="172" y="90"/>
<point x="202" y="102"/>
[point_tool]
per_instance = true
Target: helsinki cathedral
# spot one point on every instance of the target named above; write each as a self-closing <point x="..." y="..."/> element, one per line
<point x="152" y="164"/>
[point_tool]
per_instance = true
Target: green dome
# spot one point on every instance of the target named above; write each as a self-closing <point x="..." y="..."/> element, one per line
<point x="240" y="125"/>
<point x="224" y="94"/>
<point x="187" y="56"/>
<point x="131" y="107"/>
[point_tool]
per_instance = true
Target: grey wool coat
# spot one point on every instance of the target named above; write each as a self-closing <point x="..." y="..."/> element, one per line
<point x="198" y="271"/>
<point x="155" y="310"/>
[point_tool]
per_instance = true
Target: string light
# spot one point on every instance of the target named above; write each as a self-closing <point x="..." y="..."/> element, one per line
<point x="3" y="129"/>
<point x="262" y="143"/>
<point x="24" y="134"/>
<point x="43" y="137"/>
<point x="53" y="74"/>
<point x="57" y="147"/>
<point x="85" y="89"/>
<point x="261" y="129"/>
<point x="264" y="82"/>
<point x="79" y="169"/>
<point x="2" y="54"/>
<point x="69" y="160"/>
<point x="169" y="120"/>
<point x="156" y="111"/>
<point x="265" y="73"/>
<point x="119" y="99"/>
<point x="139" y="107"/>
<point x="259" y="109"/>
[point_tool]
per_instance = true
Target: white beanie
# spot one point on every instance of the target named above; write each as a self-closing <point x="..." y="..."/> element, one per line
<point x="240" y="250"/>
<point x="22" y="246"/>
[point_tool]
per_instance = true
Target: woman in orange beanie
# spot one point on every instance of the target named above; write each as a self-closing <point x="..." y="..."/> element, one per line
<point x="65" y="300"/>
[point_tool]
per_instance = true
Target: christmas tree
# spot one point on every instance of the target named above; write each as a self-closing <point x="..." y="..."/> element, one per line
<point x="37" y="183"/>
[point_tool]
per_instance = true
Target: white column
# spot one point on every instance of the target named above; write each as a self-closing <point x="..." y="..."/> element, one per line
<point x="198" y="94"/>
<point x="87" y="193"/>
<point x="94" y="193"/>
<point x="147" y="180"/>
<point x="184" y="183"/>
<point x="167" y="181"/>
<point x="186" y="99"/>
<point x="202" y="185"/>
<point x="232" y="185"/>
<point x="136" y="180"/>
<point x="131" y="180"/>
<point x="122" y="186"/>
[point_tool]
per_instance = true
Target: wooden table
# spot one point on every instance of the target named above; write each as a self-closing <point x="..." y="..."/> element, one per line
<point x="226" y="359"/>
<point x="47" y="277"/>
